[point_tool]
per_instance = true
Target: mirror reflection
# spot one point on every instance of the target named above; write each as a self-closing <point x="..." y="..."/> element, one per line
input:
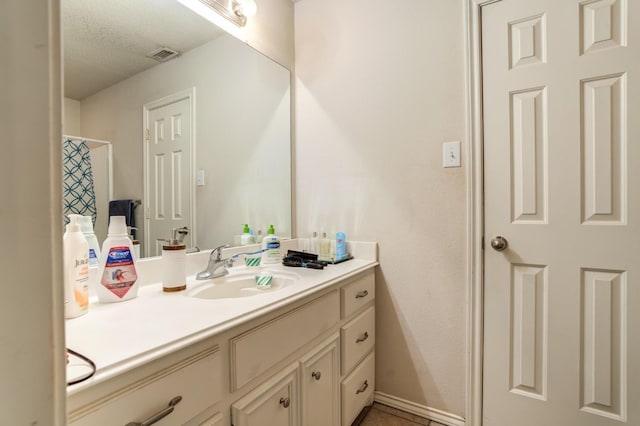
<point x="202" y="139"/>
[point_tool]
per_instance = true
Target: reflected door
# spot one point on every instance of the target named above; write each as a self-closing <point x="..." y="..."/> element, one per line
<point x="168" y="178"/>
<point x="561" y="88"/>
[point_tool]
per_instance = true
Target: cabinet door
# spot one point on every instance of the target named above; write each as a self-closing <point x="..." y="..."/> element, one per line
<point x="274" y="403"/>
<point x="320" y="385"/>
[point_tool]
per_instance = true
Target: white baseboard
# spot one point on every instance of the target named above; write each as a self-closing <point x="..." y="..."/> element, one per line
<point x="419" y="410"/>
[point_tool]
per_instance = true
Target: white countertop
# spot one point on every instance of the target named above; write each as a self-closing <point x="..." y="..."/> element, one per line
<point x="118" y="337"/>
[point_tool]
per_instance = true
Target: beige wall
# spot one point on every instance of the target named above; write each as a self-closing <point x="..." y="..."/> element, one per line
<point x="271" y="31"/>
<point x="71" y="122"/>
<point x="32" y="389"/>
<point x="379" y="88"/>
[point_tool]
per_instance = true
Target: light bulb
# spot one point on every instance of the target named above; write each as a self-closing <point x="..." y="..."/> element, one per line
<point x="246" y="8"/>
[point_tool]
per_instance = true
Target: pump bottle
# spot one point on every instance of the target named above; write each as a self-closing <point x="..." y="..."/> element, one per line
<point x="76" y="270"/>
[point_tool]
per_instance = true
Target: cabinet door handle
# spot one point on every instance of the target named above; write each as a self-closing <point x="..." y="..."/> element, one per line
<point x="316" y="375"/>
<point x="364" y="337"/>
<point x="363" y="388"/>
<point x="159" y="415"/>
<point x="361" y="294"/>
<point x="285" y="402"/>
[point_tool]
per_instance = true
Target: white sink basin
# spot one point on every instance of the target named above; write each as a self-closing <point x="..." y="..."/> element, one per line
<point x="236" y="285"/>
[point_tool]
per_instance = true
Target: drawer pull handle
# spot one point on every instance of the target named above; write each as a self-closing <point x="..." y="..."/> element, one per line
<point x="285" y="402"/>
<point x="361" y="294"/>
<point x="159" y="415"/>
<point x="316" y="375"/>
<point x="363" y="388"/>
<point x="364" y="337"/>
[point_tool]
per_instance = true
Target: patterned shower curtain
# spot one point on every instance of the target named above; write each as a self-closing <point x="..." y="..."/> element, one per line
<point x="77" y="180"/>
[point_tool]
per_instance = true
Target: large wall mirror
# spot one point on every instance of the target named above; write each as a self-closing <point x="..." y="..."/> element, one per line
<point x="202" y="140"/>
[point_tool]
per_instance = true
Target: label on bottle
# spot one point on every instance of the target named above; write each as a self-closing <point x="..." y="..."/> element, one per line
<point x="81" y="284"/>
<point x="93" y="258"/>
<point x="119" y="271"/>
<point x="273" y="245"/>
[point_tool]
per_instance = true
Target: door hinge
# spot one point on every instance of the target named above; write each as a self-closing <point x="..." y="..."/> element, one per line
<point x="148" y="135"/>
<point x="148" y="214"/>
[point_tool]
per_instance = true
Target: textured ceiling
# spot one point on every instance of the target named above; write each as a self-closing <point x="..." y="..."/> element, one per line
<point x="106" y="41"/>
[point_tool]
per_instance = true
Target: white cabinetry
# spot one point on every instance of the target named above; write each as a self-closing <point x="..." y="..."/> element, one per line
<point x="178" y="392"/>
<point x="320" y="383"/>
<point x="275" y="402"/>
<point x="306" y="363"/>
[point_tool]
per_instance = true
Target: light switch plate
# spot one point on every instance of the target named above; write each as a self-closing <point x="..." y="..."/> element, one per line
<point x="200" y="178"/>
<point x="451" y="154"/>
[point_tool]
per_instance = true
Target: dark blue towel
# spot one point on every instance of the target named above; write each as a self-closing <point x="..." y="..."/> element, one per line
<point x="124" y="208"/>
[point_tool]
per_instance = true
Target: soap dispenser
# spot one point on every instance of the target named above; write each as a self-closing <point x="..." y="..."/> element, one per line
<point x="174" y="277"/>
<point x="271" y="247"/>
<point x="246" y="238"/>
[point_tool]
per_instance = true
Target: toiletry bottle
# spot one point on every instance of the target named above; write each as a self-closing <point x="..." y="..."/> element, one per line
<point x="86" y="225"/>
<point x="118" y="277"/>
<point x="271" y="247"/>
<point x="341" y="246"/>
<point x="325" y="247"/>
<point x="314" y="246"/>
<point x="245" y="238"/>
<point x="174" y="265"/>
<point x="76" y="270"/>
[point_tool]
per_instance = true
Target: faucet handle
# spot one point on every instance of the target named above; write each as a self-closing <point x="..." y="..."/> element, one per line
<point x="218" y="251"/>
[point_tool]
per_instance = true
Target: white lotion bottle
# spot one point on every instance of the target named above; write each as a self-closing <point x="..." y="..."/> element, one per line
<point x="118" y="277"/>
<point x="271" y="247"/>
<point x="76" y="270"/>
<point x="86" y="225"/>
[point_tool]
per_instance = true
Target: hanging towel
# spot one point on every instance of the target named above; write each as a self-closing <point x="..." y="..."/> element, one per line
<point x="79" y="196"/>
<point x="124" y="208"/>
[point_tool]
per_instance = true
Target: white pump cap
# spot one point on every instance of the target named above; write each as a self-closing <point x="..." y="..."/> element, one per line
<point x="117" y="225"/>
<point x="74" y="225"/>
<point x="86" y="224"/>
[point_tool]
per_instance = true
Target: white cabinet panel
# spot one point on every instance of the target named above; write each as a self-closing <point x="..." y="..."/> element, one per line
<point x="274" y="403"/>
<point x="358" y="338"/>
<point x="319" y="379"/>
<point x="357" y="389"/>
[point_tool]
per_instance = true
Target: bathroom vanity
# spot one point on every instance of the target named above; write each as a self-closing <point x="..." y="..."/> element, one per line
<point x="300" y="353"/>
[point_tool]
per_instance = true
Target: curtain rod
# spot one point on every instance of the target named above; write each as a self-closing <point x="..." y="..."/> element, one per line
<point x="85" y="139"/>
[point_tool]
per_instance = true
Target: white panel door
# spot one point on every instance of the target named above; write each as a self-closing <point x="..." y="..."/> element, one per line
<point x="169" y="173"/>
<point x="561" y="88"/>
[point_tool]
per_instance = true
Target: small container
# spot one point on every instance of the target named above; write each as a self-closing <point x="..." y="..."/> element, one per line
<point x="263" y="280"/>
<point x="341" y="246"/>
<point x="253" y="260"/>
<point x="174" y="265"/>
<point x="136" y="249"/>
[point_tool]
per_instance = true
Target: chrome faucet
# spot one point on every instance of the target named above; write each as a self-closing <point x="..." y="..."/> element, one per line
<point x="217" y="266"/>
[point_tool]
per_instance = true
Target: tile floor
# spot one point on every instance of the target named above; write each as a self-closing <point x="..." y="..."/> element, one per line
<point x="382" y="415"/>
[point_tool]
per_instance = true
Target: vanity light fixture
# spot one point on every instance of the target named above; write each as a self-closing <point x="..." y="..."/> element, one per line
<point x="246" y="8"/>
<point x="236" y="11"/>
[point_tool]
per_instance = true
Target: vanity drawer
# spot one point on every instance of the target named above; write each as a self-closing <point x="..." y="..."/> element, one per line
<point x="358" y="294"/>
<point x="357" y="389"/>
<point x="259" y="349"/>
<point x="197" y="379"/>
<point x="357" y="338"/>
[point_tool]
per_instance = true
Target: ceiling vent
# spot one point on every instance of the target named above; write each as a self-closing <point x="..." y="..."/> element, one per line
<point x="163" y="54"/>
